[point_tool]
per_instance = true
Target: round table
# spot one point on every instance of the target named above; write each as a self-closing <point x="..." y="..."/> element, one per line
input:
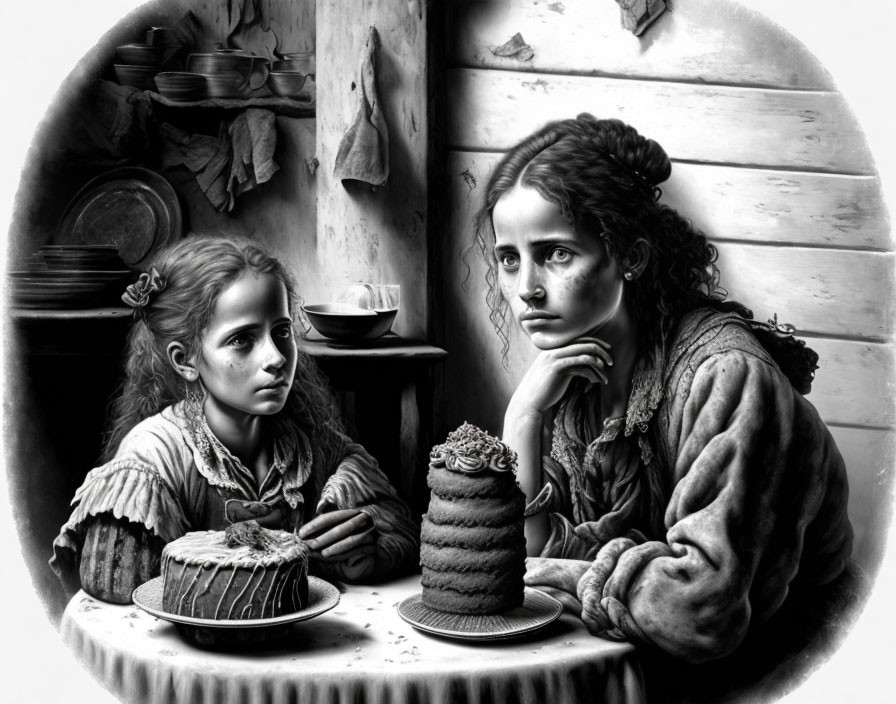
<point x="360" y="651"/>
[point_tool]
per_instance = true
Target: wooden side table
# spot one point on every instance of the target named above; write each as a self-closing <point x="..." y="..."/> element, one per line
<point x="385" y="389"/>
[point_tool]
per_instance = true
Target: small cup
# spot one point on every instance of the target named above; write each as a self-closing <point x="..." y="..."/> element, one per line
<point x="378" y="297"/>
<point x="287" y="84"/>
<point x="300" y="62"/>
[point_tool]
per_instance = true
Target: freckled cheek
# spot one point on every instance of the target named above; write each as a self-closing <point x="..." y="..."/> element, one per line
<point x="572" y="288"/>
<point x="584" y="279"/>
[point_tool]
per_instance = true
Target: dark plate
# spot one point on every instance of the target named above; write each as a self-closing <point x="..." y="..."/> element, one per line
<point x="131" y="207"/>
<point x="537" y="611"/>
<point x="72" y="274"/>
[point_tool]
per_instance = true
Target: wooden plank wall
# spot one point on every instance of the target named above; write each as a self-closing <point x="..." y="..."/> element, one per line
<point x="768" y="161"/>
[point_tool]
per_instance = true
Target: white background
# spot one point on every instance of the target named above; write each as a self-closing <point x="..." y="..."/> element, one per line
<point x="40" y="44"/>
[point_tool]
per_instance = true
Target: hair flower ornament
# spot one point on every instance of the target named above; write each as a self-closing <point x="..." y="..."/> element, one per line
<point x="138" y="294"/>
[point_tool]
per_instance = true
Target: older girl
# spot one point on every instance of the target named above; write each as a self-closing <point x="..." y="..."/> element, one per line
<point x="684" y="490"/>
<point x="222" y="419"/>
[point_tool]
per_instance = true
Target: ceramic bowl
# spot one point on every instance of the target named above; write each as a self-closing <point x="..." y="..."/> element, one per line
<point x="181" y="85"/>
<point x="220" y="62"/>
<point x="254" y="69"/>
<point x="226" y="85"/>
<point x="302" y="62"/>
<point x="139" y="54"/>
<point x="287" y="84"/>
<point x="136" y="76"/>
<point x="342" y="321"/>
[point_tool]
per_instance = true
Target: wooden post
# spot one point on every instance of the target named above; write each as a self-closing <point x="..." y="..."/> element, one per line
<point x="367" y="234"/>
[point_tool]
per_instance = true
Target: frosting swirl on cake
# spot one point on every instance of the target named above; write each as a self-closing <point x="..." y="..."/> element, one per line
<point x="470" y="450"/>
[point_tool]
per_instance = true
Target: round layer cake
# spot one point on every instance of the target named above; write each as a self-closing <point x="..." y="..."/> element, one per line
<point x="472" y="545"/>
<point x="244" y="572"/>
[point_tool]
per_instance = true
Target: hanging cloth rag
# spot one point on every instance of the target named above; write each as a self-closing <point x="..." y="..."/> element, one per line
<point x="253" y="137"/>
<point x="238" y="159"/>
<point x="363" y="153"/>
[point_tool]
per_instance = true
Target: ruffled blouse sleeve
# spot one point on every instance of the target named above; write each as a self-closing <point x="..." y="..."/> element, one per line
<point x="140" y="485"/>
<point x="358" y="482"/>
<point x="759" y="492"/>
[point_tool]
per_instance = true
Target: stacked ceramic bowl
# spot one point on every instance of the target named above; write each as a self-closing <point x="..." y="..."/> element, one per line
<point x="181" y="86"/>
<point x="138" y="65"/>
<point x="70" y="277"/>
<point x="229" y="73"/>
<point x="293" y="75"/>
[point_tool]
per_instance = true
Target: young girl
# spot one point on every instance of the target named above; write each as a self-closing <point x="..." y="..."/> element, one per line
<point x="683" y="493"/>
<point x="222" y="419"/>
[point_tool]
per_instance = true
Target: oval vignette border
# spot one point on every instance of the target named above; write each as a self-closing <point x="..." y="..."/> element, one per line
<point x="853" y="42"/>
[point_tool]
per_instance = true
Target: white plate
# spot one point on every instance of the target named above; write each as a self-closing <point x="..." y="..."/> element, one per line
<point x="537" y="611"/>
<point x="322" y="596"/>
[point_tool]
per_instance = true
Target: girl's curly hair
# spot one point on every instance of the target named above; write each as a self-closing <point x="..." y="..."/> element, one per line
<point x="195" y="271"/>
<point x="605" y="178"/>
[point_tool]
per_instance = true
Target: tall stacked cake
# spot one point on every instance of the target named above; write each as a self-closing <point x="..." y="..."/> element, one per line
<point x="473" y="550"/>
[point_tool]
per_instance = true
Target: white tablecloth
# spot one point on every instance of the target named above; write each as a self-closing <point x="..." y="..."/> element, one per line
<point x="361" y="651"/>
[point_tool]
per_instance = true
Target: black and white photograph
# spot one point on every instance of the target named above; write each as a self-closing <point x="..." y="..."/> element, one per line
<point x="457" y="352"/>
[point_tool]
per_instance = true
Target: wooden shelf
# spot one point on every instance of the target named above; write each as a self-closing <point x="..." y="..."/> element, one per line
<point x="108" y="313"/>
<point x="287" y="107"/>
<point x="389" y="346"/>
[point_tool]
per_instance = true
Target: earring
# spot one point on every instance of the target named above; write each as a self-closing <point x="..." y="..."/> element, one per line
<point x="191" y="375"/>
<point x="628" y="275"/>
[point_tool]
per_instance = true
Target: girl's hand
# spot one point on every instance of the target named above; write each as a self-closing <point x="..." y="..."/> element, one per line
<point x="547" y="379"/>
<point x="339" y="534"/>
<point x="359" y="565"/>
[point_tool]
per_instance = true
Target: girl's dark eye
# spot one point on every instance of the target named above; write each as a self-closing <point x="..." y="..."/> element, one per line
<point x="508" y="260"/>
<point x="283" y="331"/>
<point x="240" y="341"/>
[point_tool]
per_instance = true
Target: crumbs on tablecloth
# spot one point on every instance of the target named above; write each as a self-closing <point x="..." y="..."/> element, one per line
<point x="366" y="625"/>
<point x="167" y="652"/>
<point x="413" y="653"/>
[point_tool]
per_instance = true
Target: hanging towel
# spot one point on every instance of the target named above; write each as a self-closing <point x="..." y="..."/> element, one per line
<point x="253" y="137"/>
<point x="364" y="150"/>
<point x="239" y="159"/>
